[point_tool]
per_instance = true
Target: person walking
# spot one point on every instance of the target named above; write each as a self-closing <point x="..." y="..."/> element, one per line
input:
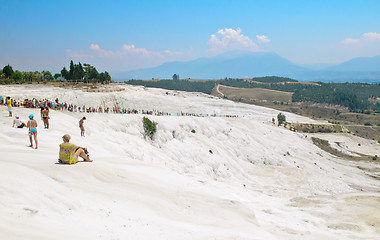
<point x="32" y="126"/>
<point x="81" y="126"/>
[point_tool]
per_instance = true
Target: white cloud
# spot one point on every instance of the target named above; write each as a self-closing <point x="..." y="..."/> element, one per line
<point x="350" y="41"/>
<point x="134" y="50"/>
<point x="100" y="51"/>
<point x="262" y="39"/>
<point x="126" y="58"/>
<point x="231" y="39"/>
<point x="173" y="53"/>
<point x="366" y="38"/>
<point x="371" y="36"/>
<point x="94" y="47"/>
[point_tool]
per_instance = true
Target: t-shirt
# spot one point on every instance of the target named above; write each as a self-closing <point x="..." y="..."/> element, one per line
<point x="67" y="153"/>
<point x="9" y="103"/>
<point x="18" y="122"/>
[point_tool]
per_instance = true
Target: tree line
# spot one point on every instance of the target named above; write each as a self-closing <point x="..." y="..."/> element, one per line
<point x="77" y="72"/>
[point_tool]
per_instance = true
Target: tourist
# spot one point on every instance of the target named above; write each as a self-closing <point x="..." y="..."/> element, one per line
<point x="32" y="125"/>
<point x="9" y="104"/>
<point x="18" y="123"/>
<point x="81" y="126"/>
<point x="69" y="153"/>
<point x="45" y="116"/>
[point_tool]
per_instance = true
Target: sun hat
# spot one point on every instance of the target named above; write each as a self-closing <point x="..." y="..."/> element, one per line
<point x="16" y="116"/>
<point x="66" y="137"/>
<point x="31" y="116"/>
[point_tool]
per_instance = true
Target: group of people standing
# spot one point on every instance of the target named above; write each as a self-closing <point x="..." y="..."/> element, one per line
<point x="68" y="152"/>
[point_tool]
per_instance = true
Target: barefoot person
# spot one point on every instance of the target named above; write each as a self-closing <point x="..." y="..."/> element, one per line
<point x="32" y="125"/>
<point x="69" y="153"/>
<point x="81" y="126"/>
<point x="18" y="123"/>
<point x="45" y="117"/>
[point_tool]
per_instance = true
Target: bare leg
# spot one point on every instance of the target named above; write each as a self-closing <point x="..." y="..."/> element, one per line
<point x="31" y="141"/>
<point x="80" y="153"/>
<point x="35" y="139"/>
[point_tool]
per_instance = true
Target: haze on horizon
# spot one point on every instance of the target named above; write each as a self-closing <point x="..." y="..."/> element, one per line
<point x="127" y="35"/>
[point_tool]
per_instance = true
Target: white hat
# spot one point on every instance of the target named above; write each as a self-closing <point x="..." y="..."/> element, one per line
<point x="16" y="116"/>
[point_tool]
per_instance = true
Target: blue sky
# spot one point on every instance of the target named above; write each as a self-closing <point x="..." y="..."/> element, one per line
<point x="125" y="35"/>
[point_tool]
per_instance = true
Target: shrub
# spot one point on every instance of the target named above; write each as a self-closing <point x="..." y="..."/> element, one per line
<point x="367" y="124"/>
<point x="193" y="131"/>
<point x="281" y="119"/>
<point x="150" y="127"/>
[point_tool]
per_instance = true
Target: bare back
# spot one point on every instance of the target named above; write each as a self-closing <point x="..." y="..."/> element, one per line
<point x="32" y="124"/>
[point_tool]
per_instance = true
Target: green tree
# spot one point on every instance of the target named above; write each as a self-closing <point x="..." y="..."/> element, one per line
<point x="102" y="77"/>
<point x="78" y="72"/>
<point x="281" y="119"/>
<point x="17" y="75"/>
<point x="46" y="75"/>
<point x="37" y="76"/>
<point x="93" y="74"/>
<point x="175" y="77"/>
<point x="28" y="76"/>
<point x="65" y="74"/>
<point x="57" y="75"/>
<point x="8" y="71"/>
<point x="71" y="71"/>
<point x="107" y="76"/>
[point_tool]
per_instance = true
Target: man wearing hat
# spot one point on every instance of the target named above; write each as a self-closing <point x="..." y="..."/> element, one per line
<point x="32" y="125"/>
<point x="18" y="122"/>
<point x="69" y="153"/>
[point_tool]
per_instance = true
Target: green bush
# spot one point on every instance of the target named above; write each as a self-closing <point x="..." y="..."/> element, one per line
<point x="281" y="119"/>
<point x="150" y="127"/>
<point x="367" y="124"/>
<point x="193" y="131"/>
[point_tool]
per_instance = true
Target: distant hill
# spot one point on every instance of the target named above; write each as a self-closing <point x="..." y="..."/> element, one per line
<point x="369" y="64"/>
<point x="354" y="70"/>
<point x="258" y="64"/>
<point x="234" y="65"/>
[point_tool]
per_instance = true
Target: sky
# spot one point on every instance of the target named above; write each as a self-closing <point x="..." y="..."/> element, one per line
<point x="118" y="36"/>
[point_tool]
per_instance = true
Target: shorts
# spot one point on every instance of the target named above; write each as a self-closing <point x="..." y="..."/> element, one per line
<point x="9" y="109"/>
<point x="21" y="126"/>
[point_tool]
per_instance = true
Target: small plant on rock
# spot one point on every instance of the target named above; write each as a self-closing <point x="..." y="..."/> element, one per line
<point x="150" y="127"/>
<point x="281" y="119"/>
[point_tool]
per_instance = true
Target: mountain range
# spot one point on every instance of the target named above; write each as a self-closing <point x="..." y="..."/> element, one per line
<point x="258" y="64"/>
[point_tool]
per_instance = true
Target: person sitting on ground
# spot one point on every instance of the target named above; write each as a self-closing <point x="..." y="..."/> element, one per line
<point x="69" y="153"/>
<point x="18" y="122"/>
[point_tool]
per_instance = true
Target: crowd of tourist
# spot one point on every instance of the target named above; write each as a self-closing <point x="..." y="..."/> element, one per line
<point x="63" y="106"/>
<point x="69" y="153"/>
